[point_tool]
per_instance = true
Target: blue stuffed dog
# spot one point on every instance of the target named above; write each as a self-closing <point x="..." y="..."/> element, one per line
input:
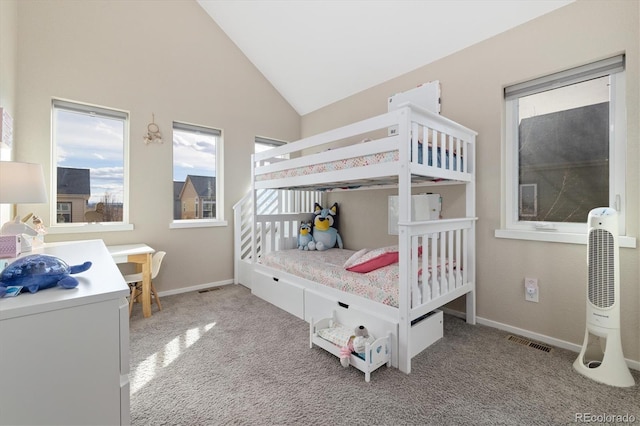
<point x="305" y="238"/>
<point x="324" y="234"/>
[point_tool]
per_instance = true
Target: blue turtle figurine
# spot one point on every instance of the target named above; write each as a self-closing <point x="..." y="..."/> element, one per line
<point x="40" y="271"/>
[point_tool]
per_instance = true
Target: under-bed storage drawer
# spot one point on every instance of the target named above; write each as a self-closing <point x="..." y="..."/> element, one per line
<point x="425" y="332"/>
<point x="282" y="293"/>
<point x="318" y="306"/>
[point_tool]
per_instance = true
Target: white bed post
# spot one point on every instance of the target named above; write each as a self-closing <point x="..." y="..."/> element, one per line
<point x="470" y="162"/>
<point x="404" y="240"/>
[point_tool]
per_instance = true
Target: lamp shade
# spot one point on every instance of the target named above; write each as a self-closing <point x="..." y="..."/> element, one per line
<point x="21" y="183"/>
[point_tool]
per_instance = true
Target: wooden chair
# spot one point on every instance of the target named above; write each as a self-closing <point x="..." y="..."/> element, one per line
<point x="135" y="282"/>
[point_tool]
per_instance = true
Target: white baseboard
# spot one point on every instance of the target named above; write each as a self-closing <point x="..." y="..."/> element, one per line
<point x="194" y="288"/>
<point x="531" y="335"/>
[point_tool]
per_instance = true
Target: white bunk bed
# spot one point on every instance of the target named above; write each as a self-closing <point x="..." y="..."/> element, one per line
<point x="288" y="180"/>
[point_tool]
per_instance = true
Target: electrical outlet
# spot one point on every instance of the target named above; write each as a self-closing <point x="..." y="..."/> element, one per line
<point x="531" y="290"/>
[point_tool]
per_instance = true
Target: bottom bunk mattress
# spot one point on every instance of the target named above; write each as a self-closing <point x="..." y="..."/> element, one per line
<point x="372" y="274"/>
<point x="327" y="267"/>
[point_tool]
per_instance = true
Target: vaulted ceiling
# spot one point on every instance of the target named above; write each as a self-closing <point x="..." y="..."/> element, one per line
<point x="316" y="52"/>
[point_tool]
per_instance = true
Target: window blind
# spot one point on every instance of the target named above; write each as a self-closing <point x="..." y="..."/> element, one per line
<point x="267" y="141"/>
<point x="89" y="109"/>
<point x="196" y="129"/>
<point x="567" y="77"/>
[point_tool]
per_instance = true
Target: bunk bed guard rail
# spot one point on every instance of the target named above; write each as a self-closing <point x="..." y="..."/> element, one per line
<point x="366" y="154"/>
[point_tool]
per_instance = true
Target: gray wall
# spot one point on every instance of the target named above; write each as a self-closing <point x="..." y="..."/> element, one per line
<point x="8" y="68"/>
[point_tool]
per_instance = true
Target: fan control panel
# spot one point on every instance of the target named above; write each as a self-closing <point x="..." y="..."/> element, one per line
<point x="603" y="211"/>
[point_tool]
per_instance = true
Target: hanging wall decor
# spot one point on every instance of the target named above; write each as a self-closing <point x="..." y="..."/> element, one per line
<point x="153" y="132"/>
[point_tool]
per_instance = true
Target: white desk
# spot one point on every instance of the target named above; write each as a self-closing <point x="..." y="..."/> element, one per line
<point x="139" y="254"/>
<point x="65" y="352"/>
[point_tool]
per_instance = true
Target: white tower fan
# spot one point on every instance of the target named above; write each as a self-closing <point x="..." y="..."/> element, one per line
<point x="601" y="357"/>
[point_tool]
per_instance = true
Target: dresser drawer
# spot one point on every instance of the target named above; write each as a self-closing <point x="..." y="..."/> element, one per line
<point x="282" y="293"/>
<point x="124" y="337"/>
<point x="125" y="403"/>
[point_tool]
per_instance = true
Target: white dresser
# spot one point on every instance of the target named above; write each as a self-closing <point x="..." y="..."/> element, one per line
<point x="64" y="353"/>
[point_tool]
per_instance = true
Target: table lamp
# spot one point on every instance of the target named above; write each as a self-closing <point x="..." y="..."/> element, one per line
<point x="21" y="183"/>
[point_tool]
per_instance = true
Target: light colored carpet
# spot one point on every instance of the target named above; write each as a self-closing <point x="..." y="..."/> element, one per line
<point x="228" y="357"/>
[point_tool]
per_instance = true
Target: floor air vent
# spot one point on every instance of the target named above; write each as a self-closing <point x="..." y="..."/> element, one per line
<point x="526" y="342"/>
<point x="206" y="290"/>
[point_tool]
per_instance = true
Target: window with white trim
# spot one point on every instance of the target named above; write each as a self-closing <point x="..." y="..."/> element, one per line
<point x="565" y="148"/>
<point x="197" y="174"/>
<point x="263" y="144"/>
<point x="64" y="212"/>
<point x="89" y="170"/>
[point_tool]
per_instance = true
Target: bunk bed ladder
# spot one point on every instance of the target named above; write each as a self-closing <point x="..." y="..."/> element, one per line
<point x="269" y="235"/>
<point x="242" y="240"/>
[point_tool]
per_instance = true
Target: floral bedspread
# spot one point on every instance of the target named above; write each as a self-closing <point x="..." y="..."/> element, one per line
<point x="354" y="162"/>
<point x="327" y="268"/>
<point x="349" y="163"/>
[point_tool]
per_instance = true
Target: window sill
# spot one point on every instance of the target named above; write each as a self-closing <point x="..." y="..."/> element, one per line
<point x="196" y="223"/>
<point x="557" y="237"/>
<point x="83" y="228"/>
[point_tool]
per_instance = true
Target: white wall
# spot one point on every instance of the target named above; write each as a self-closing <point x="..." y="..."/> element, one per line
<point x="472" y="94"/>
<point x="166" y="58"/>
<point x="8" y="55"/>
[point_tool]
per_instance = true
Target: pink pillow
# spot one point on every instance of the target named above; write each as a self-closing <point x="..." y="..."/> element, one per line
<point x="365" y="261"/>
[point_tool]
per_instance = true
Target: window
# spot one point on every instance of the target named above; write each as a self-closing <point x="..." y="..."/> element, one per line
<point x="64" y="212"/>
<point x="208" y="209"/>
<point x="528" y="200"/>
<point x="197" y="175"/>
<point x="89" y="176"/>
<point x="263" y="144"/>
<point x="565" y="148"/>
